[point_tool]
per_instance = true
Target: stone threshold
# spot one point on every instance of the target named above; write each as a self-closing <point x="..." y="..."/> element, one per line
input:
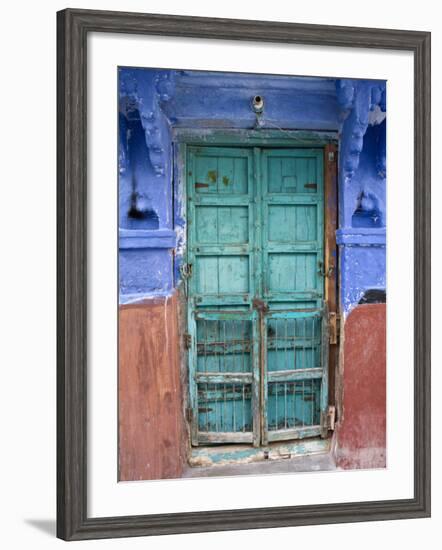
<point x="223" y="455"/>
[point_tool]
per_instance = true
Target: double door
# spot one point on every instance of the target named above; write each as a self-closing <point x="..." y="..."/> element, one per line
<point x="257" y="325"/>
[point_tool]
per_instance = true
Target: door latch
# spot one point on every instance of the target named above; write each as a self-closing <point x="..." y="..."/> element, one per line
<point x="328" y="421"/>
<point x="186" y="270"/>
<point x="325" y="272"/>
<point x="260" y="305"/>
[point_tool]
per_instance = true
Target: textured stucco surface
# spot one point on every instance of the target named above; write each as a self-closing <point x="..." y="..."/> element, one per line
<point x="361" y="429"/>
<point x="151" y="423"/>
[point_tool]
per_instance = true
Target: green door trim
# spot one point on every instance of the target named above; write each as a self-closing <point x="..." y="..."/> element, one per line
<point x="198" y="300"/>
<point x="219" y="137"/>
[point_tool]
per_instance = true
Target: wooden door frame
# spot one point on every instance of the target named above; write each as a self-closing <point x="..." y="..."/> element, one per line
<point x="331" y="261"/>
<point x="205" y="137"/>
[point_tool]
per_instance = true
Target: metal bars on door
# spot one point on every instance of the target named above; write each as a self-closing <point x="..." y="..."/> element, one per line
<point x="224" y="388"/>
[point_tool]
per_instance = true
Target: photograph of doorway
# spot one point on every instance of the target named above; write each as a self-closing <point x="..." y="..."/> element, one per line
<point x="252" y="273"/>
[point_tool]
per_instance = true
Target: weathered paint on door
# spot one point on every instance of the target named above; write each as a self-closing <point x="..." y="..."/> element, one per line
<point x="258" y="369"/>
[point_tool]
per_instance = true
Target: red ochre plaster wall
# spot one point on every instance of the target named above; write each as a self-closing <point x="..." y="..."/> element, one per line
<point x="151" y="423"/>
<point x="361" y="429"/>
<point x="152" y="429"/>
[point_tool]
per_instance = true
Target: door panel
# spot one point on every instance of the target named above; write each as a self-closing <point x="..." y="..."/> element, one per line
<point x="294" y="375"/>
<point x="220" y="225"/>
<point x="292" y="170"/>
<point x="292" y="203"/>
<point x="225" y="386"/>
<point x="293" y="233"/>
<point x="291" y="272"/>
<point x="221" y="171"/>
<point x="293" y="343"/>
<point x="222" y="274"/>
<point x="256" y="315"/>
<point x="224" y="355"/>
<point x="292" y="223"/>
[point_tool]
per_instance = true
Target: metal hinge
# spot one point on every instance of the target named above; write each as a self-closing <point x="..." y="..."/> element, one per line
<point x="325" y="272"/>
<point x="328" y="421"/>
<point x="331" y="417"/>
<point x="189" y="414"/>
<point x="334" y="327"/>
<point x="187" y="340"/>
<point x="186" y="271"/>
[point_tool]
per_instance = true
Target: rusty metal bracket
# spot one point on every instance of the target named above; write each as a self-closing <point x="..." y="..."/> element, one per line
<point x="260" y="305"/>
<point x="187" y="340"/>
<point x="328" y="420"/>
<point x="186" y="272"/>
<point x="189" y="414"/>
<point x="311" y="186"/>
<point x="325" y="272"/>
<point x="331" y="417"/>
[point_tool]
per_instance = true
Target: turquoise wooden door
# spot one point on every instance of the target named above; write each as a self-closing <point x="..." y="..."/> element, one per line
<point x="256" y="320"/>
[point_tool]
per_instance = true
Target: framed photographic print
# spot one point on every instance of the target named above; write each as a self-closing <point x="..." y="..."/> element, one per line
<point x="238" y="202"/>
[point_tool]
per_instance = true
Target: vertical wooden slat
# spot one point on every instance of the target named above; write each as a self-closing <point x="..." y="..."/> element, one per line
<point x="331" y="252"/>
<point x="260" y="345"/>
<point x="191" y="283"/>
<point x="325" y="374"/>
<point x="262" y="414"/>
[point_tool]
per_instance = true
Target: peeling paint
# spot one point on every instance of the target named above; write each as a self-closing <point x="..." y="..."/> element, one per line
<point x="236" y="454"/>
<point x="361" y="428"/>
<point x="212" y="175"/>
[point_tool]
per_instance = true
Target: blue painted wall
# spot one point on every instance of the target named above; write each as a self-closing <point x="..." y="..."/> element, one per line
<point x="151" y="218"/>
<point x="362" y="189"/>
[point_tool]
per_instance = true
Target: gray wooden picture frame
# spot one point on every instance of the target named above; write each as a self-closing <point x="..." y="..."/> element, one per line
<point x="73" y="27"/>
